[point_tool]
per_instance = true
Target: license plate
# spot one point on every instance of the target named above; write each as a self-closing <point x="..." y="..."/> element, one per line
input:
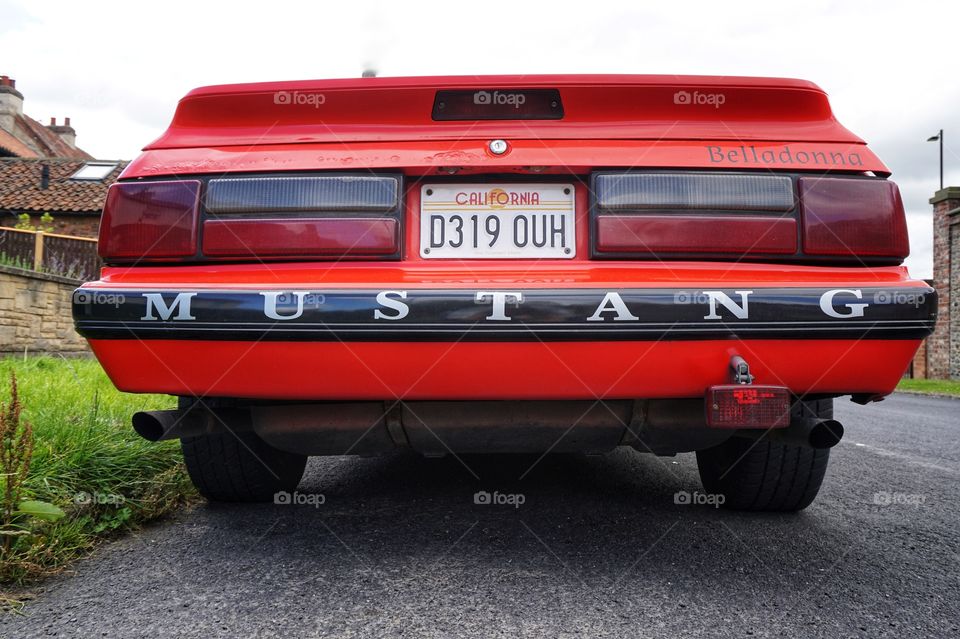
<point x="497" y="221"/>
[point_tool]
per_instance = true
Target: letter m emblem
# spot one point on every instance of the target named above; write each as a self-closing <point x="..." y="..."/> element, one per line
<point x="180" y="305"/>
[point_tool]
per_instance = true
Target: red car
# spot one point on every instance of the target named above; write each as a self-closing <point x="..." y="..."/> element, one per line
<point x="506" y="264"/>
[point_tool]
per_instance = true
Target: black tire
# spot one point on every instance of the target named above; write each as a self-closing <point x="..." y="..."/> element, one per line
<point x="760" y="475"/>
<point x="240" y="467"/>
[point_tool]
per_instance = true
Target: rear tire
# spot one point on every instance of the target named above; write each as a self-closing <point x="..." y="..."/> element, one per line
<point x="240" y="467"/>
<point x="760" y="475"/>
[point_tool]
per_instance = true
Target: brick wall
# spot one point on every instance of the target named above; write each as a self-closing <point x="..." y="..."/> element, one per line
<point x="953" y="220"/>
<point x="918" y="369"/>
<point x="945" y="203"/>
<point x="35" y="314"/>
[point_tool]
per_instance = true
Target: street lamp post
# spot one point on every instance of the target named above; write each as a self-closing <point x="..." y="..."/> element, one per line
<point x="939" y="136"/>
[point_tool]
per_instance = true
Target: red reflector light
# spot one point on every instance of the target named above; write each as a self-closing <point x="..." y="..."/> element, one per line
<point x="738" y="234"/>
<point x="748" y="406"/>
<point x="853" y="217"/>
<point x="302" y="237"/>
<point x="150" y="220"/>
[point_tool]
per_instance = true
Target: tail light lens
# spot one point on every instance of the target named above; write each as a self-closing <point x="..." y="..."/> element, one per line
<point x="258" y="217"/>
<point x="677" y="214"/>
<point x="150" y="221"/>
<point x="657" y="234"/>
<point x="707" y="191"/>
<point x="639" y="214"/>
<point x="314" y="194"/>
<point x="301" y="237"/>
<point x="853" y="218"/>
<point x="748" y="406"/>
<point x="305" y="216"/>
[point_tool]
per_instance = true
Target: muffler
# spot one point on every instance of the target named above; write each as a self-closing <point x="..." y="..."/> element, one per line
<point x="812" y="432"/>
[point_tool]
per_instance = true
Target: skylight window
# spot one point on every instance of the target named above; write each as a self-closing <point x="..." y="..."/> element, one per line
<point x="94" y="171"/>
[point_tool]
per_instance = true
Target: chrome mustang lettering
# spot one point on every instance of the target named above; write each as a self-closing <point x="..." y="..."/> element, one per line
<point x="270" y="299"/>
<point x="612" y="302"/>
<point x="384" y="299"/>
<point x="393" y="305"/>
<point x="740" y="311"/>
<point x="498" y="312"/>
<point x="180" y="304"/>
<point x="828" y="307"/>
<point x="457" y="313"/>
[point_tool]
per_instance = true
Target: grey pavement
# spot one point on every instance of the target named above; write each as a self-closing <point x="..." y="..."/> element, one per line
<point x="597" y="548"/>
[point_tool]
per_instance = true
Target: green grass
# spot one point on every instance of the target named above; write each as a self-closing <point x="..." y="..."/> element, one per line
<point x="931" y="386"/>
<point x="87" y="460"/>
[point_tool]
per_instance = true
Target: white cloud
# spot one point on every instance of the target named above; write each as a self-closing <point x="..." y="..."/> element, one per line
<point x="117" y="68"/>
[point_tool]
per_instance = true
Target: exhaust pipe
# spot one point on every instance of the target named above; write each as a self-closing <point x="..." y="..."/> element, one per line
<point x="814" y="433"/>
<point x="823" y="433"/>
<point x="160" y="425"/>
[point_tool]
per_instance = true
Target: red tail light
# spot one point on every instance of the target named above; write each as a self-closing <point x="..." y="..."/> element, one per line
<point x="150" y="221"/>
<point x="724" y="215"/>
<point x="331" y="237"/>
<point x="694" y="234"/>
<point x="853" y="217"/>
<point x="748" y="406"/>
<point x="311" y="216"/>
<point x="693" y="214"/>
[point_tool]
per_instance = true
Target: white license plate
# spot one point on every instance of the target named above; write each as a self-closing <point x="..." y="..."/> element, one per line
<point x="490" y="221"/>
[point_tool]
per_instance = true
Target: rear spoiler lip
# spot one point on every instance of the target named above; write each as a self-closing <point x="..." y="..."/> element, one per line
<point x="428" y="157"/>
<point x="507" y="81"/>
<point x="183" y="141"/>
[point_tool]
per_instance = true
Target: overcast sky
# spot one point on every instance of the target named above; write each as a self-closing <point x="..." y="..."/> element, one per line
<point x="118" y="68"/>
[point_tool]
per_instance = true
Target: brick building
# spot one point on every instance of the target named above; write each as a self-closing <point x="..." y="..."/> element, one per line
<point x="23" y="137"/>
<point x="943" y="347"/>
<point x="42" y="170"/>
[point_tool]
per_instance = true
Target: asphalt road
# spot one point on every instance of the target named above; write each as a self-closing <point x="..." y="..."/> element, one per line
<point x="597" y="548"/>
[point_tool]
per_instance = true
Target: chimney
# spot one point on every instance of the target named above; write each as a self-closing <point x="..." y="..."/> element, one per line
<point x="11" y="102"/>
<point x="65" y="131"/>
<point x="44" y="177"/>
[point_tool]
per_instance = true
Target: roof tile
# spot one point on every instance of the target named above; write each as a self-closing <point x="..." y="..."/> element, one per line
<point x="20" y="186"/>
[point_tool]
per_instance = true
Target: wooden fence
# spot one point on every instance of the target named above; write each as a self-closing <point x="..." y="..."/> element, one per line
<point x="64" y="255"/>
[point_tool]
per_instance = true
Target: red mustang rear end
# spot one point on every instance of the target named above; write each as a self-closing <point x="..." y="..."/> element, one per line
<point x="506" y="264"/>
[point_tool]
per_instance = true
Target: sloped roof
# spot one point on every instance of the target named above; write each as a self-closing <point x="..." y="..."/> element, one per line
<point x="48" y="143"/>
<point x="20" y="186"/>
<point x="15" y="147"/>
